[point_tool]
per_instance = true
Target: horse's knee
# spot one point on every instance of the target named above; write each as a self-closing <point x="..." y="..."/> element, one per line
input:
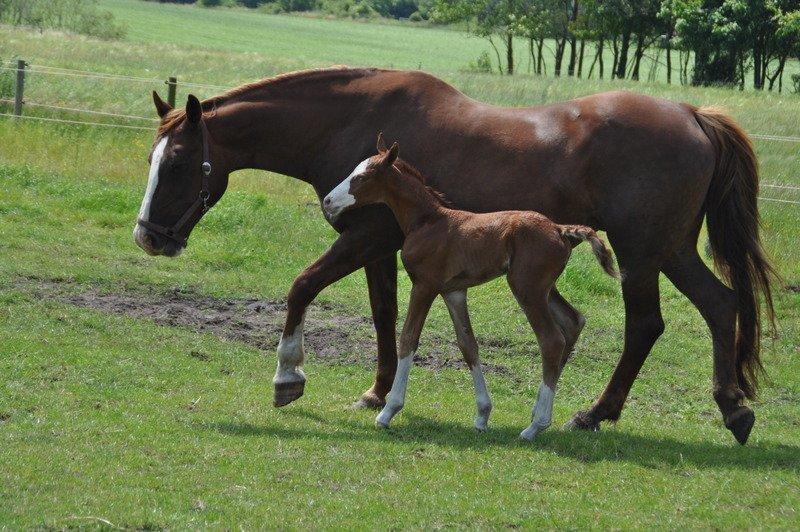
<point x="651" y="326"/>
<point x="302" y="292"/>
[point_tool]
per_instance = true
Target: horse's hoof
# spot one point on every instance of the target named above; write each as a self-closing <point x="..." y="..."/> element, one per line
<point x="740" y="423"/>
<point x="369" y="400"/>
<point x="530" y="433"/>
<point x="583" y="421"/>
<point x="286" y="392"/>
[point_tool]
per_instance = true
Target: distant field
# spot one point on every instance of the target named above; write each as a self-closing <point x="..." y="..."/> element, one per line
<point x="318" y="41"/>
<point x="110" y="416"/>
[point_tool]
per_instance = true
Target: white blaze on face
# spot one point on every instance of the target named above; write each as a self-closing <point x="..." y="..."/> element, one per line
<point x="340" y="198"/>
<point x="152" y="179"/>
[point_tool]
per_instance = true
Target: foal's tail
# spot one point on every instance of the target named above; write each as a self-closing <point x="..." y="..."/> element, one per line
<point x="733" y="223"/>
<point x="576" y="234"/>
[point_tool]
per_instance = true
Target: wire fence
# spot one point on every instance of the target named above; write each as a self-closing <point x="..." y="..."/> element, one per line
<point x="71" y="72"/>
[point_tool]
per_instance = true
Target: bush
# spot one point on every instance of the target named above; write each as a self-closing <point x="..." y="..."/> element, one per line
<point x="79" y="16"/>
<point x="796" y="83"/>
<point x="416" y="16"/>
<point x="210" y="3"/>
<point x="482" y="64"/>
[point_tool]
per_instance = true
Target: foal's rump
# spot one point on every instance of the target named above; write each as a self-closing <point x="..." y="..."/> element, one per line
<point x="575" y="234"/>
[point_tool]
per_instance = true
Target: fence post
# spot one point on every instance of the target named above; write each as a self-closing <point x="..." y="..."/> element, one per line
<point x="20" y="88"/>
<point x="172" y="83"/>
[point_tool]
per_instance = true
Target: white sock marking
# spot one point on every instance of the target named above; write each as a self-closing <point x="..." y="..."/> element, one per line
<point x="290" y="356"/>
<point x="542" y="412"/>
<point x="397" y="397"/>
<point x="482" y="398"/>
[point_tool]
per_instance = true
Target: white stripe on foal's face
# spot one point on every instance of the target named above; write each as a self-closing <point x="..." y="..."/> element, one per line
<point x="340" y="198"/>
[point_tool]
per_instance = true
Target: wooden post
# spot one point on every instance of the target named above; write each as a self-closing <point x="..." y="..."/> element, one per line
<point x="172" y="84"/>
<point x="20" y="89"/>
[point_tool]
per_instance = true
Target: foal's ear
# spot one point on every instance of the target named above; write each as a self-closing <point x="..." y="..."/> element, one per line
<point x="391" y="155"/>
<point x="381" y="143"/>
<point x="162" y="107"/>
<point x="194" y="111"/>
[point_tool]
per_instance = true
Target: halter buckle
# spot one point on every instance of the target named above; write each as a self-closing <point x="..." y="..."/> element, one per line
<point x="206" y="168"/>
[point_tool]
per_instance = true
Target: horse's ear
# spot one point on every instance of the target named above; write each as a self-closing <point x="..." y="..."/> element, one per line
<point x="381" y="143"/>
<point x="162" y="107"/>
<point x="391" y="155"/>
<point x="194" y="111"/>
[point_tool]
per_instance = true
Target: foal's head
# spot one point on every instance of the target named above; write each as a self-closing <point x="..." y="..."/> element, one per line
<point x="181" y="185"/>
<point x="366" y="183"/>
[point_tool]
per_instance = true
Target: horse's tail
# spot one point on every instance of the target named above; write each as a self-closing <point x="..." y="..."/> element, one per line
<point x="733" y="231"/>
<point x="576" y="234"/>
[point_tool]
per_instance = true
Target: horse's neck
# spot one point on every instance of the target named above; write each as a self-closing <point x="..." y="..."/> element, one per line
<point x="282" y="131"/>
<point x="411" y="202"/>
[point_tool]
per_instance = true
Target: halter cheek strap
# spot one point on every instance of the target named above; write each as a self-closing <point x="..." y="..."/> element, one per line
<point x="175" y="231"/>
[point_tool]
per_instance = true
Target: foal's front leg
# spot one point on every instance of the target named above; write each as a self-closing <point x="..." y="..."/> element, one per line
<point x="457" y="305"/>
<point x="418" y="307"/>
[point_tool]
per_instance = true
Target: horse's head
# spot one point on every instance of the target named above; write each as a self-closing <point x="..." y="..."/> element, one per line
<point x="365" y="184"/>
<point x="185" y="180"/>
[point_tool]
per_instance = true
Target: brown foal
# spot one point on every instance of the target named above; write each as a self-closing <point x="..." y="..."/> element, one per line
<point x="446" y="251"/>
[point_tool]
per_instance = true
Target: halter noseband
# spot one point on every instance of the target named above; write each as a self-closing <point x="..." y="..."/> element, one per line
<point x="174" y="232"/>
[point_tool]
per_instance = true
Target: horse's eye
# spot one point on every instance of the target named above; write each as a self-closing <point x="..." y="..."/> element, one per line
<point x="177" y="166"/>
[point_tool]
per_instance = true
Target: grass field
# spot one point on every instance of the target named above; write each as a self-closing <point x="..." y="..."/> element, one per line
<point x="111" y="416"/>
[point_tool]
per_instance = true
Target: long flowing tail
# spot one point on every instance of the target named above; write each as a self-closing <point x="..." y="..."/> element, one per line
<point x="733" y="231"/>
<point x="581" y="233"/>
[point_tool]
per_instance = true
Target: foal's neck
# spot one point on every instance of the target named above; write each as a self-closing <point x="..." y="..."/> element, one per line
<point x="412" y="203"/>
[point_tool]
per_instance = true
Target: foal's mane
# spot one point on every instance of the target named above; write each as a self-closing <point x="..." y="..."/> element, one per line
<point x="328" y="74"/>
<point x="407" y="169"/>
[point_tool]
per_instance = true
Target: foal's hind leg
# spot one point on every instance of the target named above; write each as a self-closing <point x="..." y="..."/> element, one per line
<point x="532" y="295"/>
<point x="569" y="320"/>
<point x="457" y="305"/>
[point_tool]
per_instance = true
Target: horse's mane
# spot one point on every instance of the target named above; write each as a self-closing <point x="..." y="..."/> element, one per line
<point x="408" y="169"/>
<point x="178" y="115"/>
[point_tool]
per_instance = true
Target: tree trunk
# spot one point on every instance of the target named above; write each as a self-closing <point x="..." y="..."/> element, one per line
<point x="622" y="62"/>
<point x="540" y="65"/>
<point x="580" y="57"/>
<point x="572" y="56"/>
<point x="509" y="53"/>
<point x="600" y="57"/>
<point x="561" y="45"/>
<point x="615" y="49"/>
<point x="637" y="57"/>
<point x="669" y="60"/>
<point x="758" y="80"/>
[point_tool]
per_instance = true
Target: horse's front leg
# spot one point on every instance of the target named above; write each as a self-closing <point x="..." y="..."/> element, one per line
<point x="382" y="282"/>
<point x="352" y="250"/>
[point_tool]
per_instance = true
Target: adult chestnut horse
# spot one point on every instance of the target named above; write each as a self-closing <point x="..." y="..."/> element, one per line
<point x="645" y="170"/>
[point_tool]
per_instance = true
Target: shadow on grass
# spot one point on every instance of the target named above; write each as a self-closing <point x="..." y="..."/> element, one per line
<point x="611" y="445"/>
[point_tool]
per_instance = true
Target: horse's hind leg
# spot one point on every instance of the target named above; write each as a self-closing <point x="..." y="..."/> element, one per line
<point x="717" y="304"/>
<point x="457" y="306"/>
<point x="532" y="295"/>
<point x="569" y="320"/>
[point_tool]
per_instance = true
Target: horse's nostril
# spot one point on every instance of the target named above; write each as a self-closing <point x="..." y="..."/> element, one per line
<point x="327" y="202"/>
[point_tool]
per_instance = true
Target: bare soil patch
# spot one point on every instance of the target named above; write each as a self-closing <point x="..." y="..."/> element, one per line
<point x="331" y="334"/>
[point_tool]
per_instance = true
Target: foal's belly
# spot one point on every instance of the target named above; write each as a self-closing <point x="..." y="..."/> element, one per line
<point x="468" y="278"/>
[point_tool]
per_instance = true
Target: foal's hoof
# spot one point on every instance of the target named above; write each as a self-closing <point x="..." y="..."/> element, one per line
<point x="286" y="392"/>
<point x="369" y="400"/>
<point x="583" y="421"/>
<point x="741" y="423"/>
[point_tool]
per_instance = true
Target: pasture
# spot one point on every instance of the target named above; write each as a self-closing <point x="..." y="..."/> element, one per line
<point x="137" y="390"/>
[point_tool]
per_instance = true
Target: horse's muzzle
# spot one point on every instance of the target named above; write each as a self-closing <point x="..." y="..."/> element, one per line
<point x="154" y="244"/>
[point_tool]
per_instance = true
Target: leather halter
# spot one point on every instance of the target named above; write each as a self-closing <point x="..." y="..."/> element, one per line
<point x="201" y="203"/>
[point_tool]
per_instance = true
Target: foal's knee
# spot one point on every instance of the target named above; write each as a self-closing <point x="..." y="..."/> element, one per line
<point x="650" y="327"/>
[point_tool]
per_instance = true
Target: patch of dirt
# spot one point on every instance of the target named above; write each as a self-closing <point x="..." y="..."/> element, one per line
<point x="331" y="335"/>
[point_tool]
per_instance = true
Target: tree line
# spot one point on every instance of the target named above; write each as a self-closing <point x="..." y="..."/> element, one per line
<point x="724" y="40"/>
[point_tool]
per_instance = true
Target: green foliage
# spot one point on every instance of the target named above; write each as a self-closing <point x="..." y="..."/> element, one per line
<point x="79" y="16"/>
<point x="483" y="64"/>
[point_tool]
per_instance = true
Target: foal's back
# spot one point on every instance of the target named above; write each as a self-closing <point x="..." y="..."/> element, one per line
<point x="465" y="249"/>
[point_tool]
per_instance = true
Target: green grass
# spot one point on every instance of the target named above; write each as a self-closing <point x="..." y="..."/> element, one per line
<point x="108" y="417"/>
